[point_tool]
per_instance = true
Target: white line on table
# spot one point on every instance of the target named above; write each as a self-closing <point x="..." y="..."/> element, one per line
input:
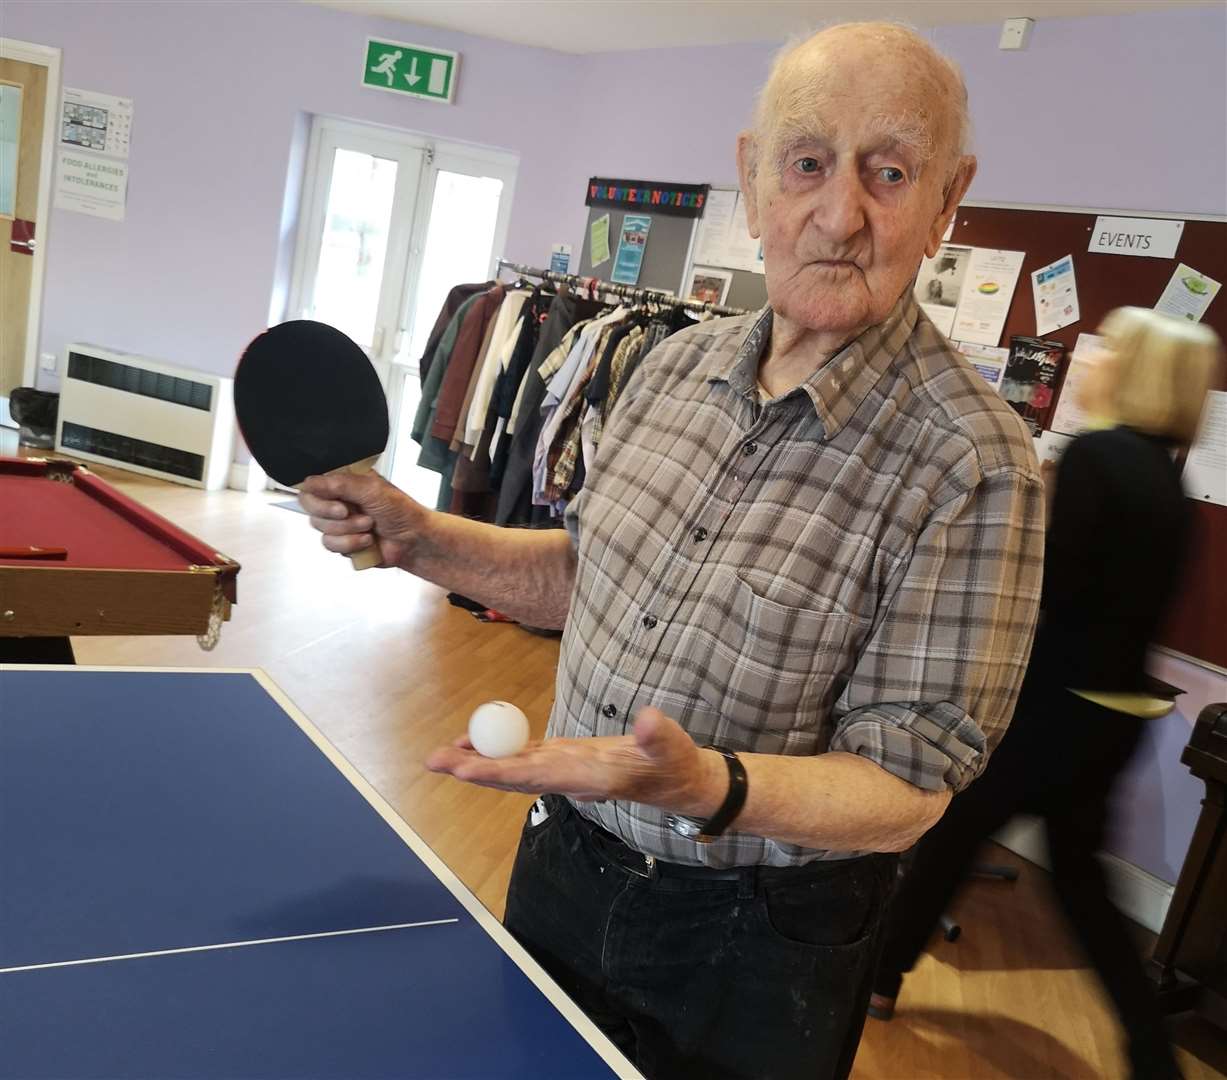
<point x="226" y="945"/>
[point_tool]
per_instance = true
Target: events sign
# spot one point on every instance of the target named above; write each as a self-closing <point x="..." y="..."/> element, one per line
<point x="1154" y="238"/>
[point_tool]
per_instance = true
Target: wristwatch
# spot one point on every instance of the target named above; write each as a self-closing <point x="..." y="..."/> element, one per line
<point x="704" y="832"/>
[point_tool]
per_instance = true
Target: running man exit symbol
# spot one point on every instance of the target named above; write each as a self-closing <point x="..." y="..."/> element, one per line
<point x="414" y="70"/>
<point x="387" y="65"/>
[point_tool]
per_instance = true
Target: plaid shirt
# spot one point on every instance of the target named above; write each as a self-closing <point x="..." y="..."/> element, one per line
<point x="562" y="456"/>
<point x="854" y="566"/>
<point x="628" y="348"/>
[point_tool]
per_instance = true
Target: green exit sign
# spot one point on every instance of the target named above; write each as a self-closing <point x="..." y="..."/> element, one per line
<point x="415" y="70"/>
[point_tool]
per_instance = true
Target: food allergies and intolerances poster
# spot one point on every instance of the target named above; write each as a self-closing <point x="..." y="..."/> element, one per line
<point x="92" y="154"/>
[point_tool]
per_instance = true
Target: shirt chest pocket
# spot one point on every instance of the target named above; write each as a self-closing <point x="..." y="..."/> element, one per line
<point x="768" y="666"/>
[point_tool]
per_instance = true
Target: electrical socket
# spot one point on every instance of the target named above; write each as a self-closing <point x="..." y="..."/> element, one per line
<point x="49" y="362"/>
<point x="1015" y="34"/>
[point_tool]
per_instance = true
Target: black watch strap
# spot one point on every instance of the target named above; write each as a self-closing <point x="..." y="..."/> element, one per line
<point x="733" y="801"/>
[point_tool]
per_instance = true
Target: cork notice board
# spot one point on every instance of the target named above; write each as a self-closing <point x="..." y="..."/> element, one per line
<point x="1197" y="626"/>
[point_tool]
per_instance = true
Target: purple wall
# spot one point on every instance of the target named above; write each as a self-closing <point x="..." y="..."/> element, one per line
<point x="1113" y="112"/>
<point x="1124" y="112"/>
<point x="1157" y="807"/>
<point x="220" y="90"/>
<point x="219" y="93"/>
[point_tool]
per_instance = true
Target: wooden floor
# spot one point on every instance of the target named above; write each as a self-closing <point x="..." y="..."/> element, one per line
<point x="388" y="670"/>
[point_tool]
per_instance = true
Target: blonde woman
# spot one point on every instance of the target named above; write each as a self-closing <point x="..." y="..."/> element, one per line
<point x="1116" y="543"/>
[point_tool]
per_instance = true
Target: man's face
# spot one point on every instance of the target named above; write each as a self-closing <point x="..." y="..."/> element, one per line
<point x="849" y="191"/>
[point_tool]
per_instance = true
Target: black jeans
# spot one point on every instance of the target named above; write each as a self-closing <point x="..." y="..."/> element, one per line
<point x="1059" y="759"/>
<point x="757" y="972"/>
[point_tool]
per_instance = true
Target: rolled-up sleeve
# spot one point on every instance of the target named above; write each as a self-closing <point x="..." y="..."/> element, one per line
<point x="935" y="682"/>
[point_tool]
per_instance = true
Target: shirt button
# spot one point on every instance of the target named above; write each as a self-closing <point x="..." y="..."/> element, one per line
<point x="750" y="448"/>
<point x="610" y="711"/>
<point x="700" y="534"/>
<point x="649" y="621"/>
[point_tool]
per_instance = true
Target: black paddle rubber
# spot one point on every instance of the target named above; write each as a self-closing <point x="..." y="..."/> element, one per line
<point x="308" y="401"/>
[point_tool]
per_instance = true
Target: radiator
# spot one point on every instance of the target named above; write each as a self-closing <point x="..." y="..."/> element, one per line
<point x="140" y="414"/>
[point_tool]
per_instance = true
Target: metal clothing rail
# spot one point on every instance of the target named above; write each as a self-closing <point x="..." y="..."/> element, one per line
<point x="627" y="292"/>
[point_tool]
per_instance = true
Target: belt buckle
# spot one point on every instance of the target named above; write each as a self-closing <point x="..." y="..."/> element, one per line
<point x="621" y="854"/>
<point x="648" y="873"/>
<point x="628" y="858"/>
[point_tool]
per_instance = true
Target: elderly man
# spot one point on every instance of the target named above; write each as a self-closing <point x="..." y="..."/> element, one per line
<point x="797" y="593"/>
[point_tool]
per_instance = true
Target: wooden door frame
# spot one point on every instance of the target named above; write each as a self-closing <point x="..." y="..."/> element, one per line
<point x="49" y="57"/>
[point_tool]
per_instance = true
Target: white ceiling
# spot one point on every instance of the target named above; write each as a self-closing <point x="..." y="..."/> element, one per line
<point x="586" y="26"/>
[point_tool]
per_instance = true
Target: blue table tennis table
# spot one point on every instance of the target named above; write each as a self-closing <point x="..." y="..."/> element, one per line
<point x="194" y="883"/>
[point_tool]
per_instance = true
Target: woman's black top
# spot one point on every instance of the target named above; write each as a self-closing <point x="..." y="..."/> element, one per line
<point x="1114" y="557"/>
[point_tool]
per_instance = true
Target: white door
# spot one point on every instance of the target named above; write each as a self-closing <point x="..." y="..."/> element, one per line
<point x="360" y="200"/>
<point x="466" y="207"/>
<point x="391" y="221"/>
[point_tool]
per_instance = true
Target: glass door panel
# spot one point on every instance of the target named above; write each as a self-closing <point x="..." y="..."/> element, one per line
<point x="349" y="274"/>
<point x="459" y="244"/>
<point x="358" y="223"/>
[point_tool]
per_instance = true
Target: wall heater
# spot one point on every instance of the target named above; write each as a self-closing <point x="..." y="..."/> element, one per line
<point x="140" y="414"/>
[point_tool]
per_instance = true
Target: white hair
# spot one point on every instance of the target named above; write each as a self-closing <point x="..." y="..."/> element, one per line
<point x="912" y="128"/>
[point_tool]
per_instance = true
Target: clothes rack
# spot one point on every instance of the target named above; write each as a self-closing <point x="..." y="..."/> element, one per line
<point x="633" y="293"/>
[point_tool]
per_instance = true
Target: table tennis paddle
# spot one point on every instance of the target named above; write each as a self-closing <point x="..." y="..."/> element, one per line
<point x="309" y="402"/>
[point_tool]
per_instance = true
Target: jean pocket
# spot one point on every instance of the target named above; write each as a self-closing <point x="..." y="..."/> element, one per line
<point x="538" y="822"/>
<point x="820" y="913"/>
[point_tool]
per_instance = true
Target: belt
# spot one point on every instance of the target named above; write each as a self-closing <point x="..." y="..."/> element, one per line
<point x="652" y="868"/>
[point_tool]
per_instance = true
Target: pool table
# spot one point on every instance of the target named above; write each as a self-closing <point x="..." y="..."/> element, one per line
<point x="79" y="557"/>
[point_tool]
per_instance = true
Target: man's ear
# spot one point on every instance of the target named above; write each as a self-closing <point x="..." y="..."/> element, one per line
<point x="747" y="172"/>
<point x="963" y="176"/>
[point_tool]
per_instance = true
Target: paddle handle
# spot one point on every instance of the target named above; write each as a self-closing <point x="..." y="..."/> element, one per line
<point x="367" y="557"/>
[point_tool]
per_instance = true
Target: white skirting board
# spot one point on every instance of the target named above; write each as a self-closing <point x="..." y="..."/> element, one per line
<point x="6" y="417"/>
<point x="247" y="477"/>
<point x="1139" y="895"/>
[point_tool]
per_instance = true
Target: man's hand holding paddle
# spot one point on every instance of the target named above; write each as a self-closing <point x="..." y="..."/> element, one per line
<point x="309" y="403"/>
<point x="312" y="410"/>
<point x="524" y="573"/>
<point x="351" y="510"/>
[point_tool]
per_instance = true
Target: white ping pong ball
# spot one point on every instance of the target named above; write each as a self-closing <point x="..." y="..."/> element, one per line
<point x="498" y="729"/>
